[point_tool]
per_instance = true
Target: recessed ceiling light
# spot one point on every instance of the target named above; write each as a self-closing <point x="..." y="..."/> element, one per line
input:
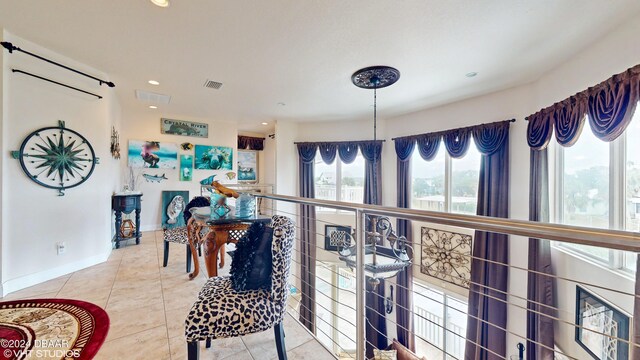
<point x="161" y="3"/>
<point x="153" y="82"/>
<point x="471" y="74"/>
<point x="264" y="123"/>
<point x="152" y="107"/>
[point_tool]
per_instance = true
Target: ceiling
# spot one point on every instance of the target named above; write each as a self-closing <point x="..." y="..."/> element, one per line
<point x="302" y="53"/>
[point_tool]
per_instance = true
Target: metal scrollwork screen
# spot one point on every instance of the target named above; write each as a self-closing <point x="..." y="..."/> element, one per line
<point x="446" y="255"/>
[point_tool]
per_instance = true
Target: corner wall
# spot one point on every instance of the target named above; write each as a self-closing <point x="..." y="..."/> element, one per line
<point x="34" y="218"/>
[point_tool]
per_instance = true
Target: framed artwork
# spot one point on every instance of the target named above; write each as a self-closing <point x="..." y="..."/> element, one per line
<point x="335" y="236"/>
<point x="595" y="318"/>
<point x="247" y="166"/>
<point x="186" y="167"/>
<point x="173" y="204"/>
<point x="446" y="255"/>
<point x="184" y="128"/>
<point x="152" y="154"/>
<point x="213" y="157"/>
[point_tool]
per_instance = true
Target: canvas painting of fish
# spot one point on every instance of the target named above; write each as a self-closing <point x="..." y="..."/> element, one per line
<point x="154" y="178"/>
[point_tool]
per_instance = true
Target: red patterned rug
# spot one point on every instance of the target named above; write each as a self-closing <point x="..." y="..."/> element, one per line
<point x="51" y="329"/>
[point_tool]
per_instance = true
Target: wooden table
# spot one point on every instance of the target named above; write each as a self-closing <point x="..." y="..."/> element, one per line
<point x="126" y="203"/>
<point x="221" y="231"/>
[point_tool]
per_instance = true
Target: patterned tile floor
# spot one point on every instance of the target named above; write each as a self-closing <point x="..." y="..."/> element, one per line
<point x="147" y="305"/>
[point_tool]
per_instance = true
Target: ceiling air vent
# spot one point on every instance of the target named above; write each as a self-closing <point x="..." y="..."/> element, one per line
<point x="150" y="97"/>
<point x="212" y="84"/>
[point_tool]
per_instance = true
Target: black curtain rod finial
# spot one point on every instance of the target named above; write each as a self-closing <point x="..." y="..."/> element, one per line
<point x="9" y="46"/>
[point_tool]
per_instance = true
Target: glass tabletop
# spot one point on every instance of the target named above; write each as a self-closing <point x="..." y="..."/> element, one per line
<point x="204" y="214"/>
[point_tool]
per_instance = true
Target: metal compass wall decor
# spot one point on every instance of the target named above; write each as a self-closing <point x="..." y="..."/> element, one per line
<point x="57" y="158"/>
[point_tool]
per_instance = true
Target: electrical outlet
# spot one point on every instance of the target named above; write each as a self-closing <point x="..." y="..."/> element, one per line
<point x="61" y="247"/>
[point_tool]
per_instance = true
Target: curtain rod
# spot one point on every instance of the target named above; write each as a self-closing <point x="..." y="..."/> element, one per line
<point x="443" y="131"/>
<point x="55" y="82"/>
<point x="252" y="137"/>
<point x="9" y="46"/>
<point x="335" y="142"/>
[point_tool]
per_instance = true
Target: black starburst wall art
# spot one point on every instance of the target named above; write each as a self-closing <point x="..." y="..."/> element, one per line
<point x="57" y="158"/>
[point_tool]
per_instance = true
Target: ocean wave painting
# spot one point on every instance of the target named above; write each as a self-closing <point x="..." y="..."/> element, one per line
<point x="152" y="154"/>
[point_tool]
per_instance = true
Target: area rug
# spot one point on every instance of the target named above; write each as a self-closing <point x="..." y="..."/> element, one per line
<point x="51" y="329"/>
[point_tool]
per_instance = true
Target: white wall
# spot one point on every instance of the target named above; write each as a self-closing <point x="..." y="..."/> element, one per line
<point x="144" y="124"/>
<point x="35" y="218"/>
<point x="609" y="55"/>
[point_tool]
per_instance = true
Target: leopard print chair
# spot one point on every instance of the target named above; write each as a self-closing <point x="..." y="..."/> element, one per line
<point x="222" y="312"/>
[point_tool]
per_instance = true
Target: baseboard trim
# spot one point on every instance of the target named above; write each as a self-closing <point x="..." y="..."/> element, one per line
<point x="42" y="276"/>
<point x="153" y="227"/>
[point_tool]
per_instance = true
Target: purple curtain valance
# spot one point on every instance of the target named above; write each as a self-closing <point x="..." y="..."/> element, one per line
<point x="404" y="148"/>
<point x="328" y="152"/>
<point x="428" y="146"/>
<point x="307" y="152"/>
<point x="488" y="138"/>
<point x="250" y="143"/>
<point x="346" y="150"/>
<point x="610" y="106"/>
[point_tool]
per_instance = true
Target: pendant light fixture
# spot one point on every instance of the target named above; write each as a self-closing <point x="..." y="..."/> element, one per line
<point x="381" y="261"/>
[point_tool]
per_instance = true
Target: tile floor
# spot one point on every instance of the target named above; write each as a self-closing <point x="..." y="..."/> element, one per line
<point x="147" y="305"/>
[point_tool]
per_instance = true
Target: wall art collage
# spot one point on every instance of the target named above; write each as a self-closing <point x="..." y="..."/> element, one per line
<point x="158" y="155"/>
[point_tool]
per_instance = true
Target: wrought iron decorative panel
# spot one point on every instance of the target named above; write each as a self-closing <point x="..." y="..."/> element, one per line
<point x="446" y="255"/>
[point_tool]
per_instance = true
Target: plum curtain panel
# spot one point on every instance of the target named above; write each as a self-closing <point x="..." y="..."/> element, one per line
<point x="306" y="155"/>
<point x="540" y="288"/>
<point x="404" y="294"/>
<point x="487" y="312"/>
<point x="487" y="309"/>
<point x="251" y="143"/>
<point x="609" y="105"/>
<point x="376" y="329"/>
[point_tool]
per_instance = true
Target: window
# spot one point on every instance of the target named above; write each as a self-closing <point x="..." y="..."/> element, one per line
<point x="440" y="322"/>
<point x="444" y="183"/>
<point x="339" y="181"/>
<point x="587" y="194"/>
<point x="335" y="315"/>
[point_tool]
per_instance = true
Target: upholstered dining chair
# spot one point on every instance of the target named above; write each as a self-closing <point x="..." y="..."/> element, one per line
<point x="221" y="312"/>
<point x="180" y="235"/>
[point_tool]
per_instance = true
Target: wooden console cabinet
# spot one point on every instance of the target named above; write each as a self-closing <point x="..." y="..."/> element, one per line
<point x="125" y="204"/>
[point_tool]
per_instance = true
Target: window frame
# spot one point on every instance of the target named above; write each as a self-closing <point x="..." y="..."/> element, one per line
<point x="617" y="201"/>
<point x="446" y="296"/>
<point x="448" y="178"/>
<point x="337" y="163"/>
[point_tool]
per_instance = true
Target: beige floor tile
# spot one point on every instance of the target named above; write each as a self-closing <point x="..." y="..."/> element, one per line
<point x="220" y="349"/>
<point x="311" y="350"/>
<point x="145" y="345"/>
<point x="263" y="345"/>
<point x="130" y="321"/>
<point x="175" y="321"/>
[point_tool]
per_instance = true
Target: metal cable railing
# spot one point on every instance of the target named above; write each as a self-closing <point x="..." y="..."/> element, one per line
<point x="436" y="331"/>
